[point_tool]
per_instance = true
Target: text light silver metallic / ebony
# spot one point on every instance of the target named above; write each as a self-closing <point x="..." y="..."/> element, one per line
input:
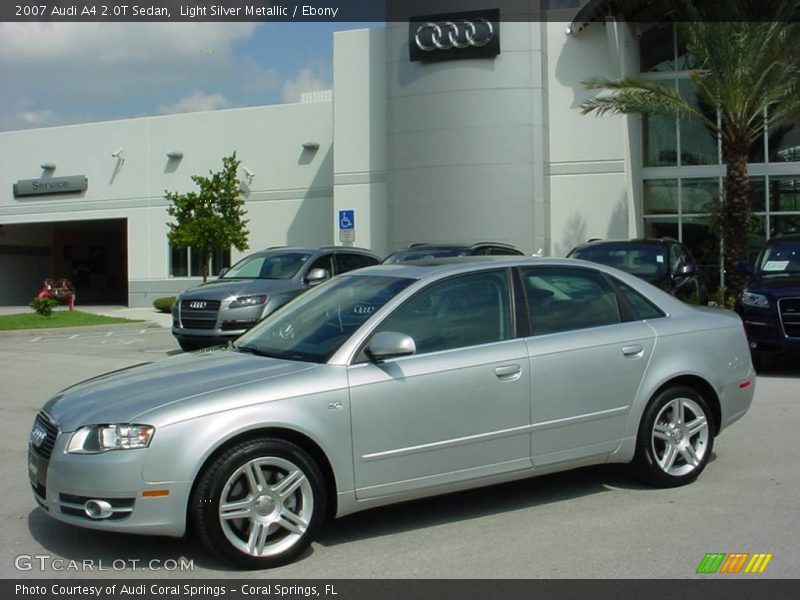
<point x="391" y="383"/>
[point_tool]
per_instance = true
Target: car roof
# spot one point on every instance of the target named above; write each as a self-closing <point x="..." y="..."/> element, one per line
<point x="637" y="241"/>
<point x="433" y="245"/>
<point x="313" y="250"/>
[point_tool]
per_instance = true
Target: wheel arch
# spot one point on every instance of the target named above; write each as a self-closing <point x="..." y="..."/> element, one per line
<point x="702" y="387"/>
<point x="281" y="433"/>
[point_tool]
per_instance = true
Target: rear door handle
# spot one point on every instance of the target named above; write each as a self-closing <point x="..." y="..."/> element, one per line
<point x="508" y="372"/>
<point x="634" y="351"/>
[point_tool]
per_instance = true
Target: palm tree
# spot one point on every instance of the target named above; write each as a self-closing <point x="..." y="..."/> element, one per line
<point x="748" y="63"/>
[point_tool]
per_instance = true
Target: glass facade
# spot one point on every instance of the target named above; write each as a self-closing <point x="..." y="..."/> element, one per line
<point x="184" y="262"/>
<point x="683" y="173"/>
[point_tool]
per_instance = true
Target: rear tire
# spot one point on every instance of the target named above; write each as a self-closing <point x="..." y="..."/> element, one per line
<point x="676" y="437"/>
<point x="259" y="504"/>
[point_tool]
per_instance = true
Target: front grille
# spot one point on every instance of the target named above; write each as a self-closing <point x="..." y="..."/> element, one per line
<point x="198" y="323"/>
<point x="199" y="314"/>
<point x="789" y="309"/>
<point x="75" y="506"/>
<point x="44" y="422"/>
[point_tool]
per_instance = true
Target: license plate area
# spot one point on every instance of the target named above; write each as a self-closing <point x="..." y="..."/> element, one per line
<point x="37" y="472"/>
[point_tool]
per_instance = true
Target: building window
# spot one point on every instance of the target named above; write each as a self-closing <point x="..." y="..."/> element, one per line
<point x="683" y="174"/>
<point x="186" y="262"/>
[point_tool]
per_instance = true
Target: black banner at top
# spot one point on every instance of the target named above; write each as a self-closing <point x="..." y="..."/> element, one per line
<point x="367" y="10"/>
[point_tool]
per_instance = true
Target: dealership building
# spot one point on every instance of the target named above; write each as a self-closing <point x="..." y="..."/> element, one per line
<point x="451" y="128"/>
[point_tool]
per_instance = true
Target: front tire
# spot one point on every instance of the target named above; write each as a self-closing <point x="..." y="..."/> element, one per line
<point x="676" y="436"/>
<point x="259" y="504"/>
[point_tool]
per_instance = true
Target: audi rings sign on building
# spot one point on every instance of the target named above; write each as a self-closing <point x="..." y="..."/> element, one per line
<point x="454" y="36"/>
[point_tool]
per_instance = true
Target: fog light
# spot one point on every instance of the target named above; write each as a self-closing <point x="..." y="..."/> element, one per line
<point x="98" y="509"/>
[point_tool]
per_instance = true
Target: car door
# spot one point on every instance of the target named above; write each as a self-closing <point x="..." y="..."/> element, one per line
<point x="459" y="408"/>
<point x="586" y="362"/>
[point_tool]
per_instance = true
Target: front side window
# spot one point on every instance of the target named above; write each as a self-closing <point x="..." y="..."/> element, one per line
<point x="346" y="261"/>
<point x="456" y="313"/>
<point x="569" y="299"/>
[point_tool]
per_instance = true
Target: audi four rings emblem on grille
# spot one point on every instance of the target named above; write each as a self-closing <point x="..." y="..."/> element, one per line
<point x="453" y="34"/>
<point x="37" y="436"/>
<point x="197" y="305"/>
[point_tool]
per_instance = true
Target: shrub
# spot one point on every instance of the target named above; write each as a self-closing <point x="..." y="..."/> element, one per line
<point x="44" y="306"/>
<point x="164" y="305"/>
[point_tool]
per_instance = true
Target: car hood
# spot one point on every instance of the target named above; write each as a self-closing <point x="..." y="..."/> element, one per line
<point x="220" y="289"/>
<point x="122" y="396"/>
<point x="778" y="285"/>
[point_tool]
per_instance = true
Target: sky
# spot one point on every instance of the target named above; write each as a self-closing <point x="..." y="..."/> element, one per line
<point x="65" y="73"/>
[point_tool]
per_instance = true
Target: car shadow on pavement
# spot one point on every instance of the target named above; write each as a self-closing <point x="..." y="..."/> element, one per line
<point x="477" y="503"/>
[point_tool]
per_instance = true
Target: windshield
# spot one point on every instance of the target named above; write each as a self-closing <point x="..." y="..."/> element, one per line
<point x="780" y="259"/>
<point x="642" y="260"/>
<point x="423" y="254"/>
<point x="268" y="266"/>
<point x="314" y="326"/>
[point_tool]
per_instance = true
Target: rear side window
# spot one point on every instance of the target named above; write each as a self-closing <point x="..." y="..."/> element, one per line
<point x="346" y="261"/>
<point x="569" y="299"/>
<point x="643" y="307"/>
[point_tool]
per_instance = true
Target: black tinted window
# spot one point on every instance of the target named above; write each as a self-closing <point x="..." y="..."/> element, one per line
<point x="643" y="307"/>
<point x="346" y="261"/>
<point x="568" y="299"/>
<point x="456" y="313"/>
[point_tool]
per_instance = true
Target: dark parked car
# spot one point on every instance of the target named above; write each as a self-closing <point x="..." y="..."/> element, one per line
<point x="223" y="309"/>
<point x="428" y="251"/>
<point x="666" y="263"/>
<point x="770" y="304"/>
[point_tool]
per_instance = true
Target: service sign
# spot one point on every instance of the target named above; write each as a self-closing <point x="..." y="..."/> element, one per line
<point x="51" y="185"/>
<point x="454" y="36"/>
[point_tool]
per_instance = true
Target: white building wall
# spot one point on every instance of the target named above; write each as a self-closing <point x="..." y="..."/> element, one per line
<point x="289" y="200"/>
<point x="359" y="124"/>
<point x="593" y="193"/>
<point x="463" y="140"/>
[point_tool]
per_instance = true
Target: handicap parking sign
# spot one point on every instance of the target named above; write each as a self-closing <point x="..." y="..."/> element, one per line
<point x="347" y="219"/>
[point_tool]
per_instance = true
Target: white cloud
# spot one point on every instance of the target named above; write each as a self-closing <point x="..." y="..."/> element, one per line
<point x="59" y="73"/>
<point x="38" y="119"/>
<point x="197" y="101"/>
<point x="309" y="79"/>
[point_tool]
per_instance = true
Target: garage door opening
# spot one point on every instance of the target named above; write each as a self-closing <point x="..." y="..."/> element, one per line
<point x="93" y="255"/>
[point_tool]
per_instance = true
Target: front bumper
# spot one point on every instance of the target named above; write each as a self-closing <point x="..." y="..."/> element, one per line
<point x="765" y="331"/>
<point x="62" y="484"/>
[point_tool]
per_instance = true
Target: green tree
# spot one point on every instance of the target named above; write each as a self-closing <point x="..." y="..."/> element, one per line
<point x="748" y="60"/>
<point x="212" y="217"/>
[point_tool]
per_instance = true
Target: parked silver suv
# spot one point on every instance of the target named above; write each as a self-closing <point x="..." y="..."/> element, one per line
<point x="223" y="309"/>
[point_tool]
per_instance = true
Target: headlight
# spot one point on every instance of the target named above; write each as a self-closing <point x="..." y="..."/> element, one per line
<point x="243" y="301"/>
<point x="757" y="300"/>
<point x="102" y="438"/>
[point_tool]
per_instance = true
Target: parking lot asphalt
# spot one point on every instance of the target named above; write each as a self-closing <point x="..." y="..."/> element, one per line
<point x="590" y="523"/>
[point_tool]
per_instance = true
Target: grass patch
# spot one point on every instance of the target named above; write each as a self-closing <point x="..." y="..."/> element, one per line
<point x="60" y="318"/>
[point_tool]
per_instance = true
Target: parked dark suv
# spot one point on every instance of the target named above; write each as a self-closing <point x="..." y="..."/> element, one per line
<point x="426" y="251"/>
<point x="666" y="263"/>
<point x="225" y="308"/>
<point x="770" y="303"/>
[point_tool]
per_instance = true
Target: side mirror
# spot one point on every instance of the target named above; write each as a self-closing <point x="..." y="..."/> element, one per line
<point x="390" y="344"/>
<point x="316" y="276"/>
<point x="744" y="266"/>
<point x="685" y="270"/>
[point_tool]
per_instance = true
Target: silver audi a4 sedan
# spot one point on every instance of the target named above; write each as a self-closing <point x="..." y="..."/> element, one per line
<point x="391" y="383"/>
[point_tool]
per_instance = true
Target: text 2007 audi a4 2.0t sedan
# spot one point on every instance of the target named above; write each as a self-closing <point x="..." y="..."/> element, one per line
<point x="390" y="383"/>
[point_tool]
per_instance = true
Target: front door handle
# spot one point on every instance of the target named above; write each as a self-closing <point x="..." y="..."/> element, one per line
<point x="634" y="351"/>
<point x="508" y="372"/>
